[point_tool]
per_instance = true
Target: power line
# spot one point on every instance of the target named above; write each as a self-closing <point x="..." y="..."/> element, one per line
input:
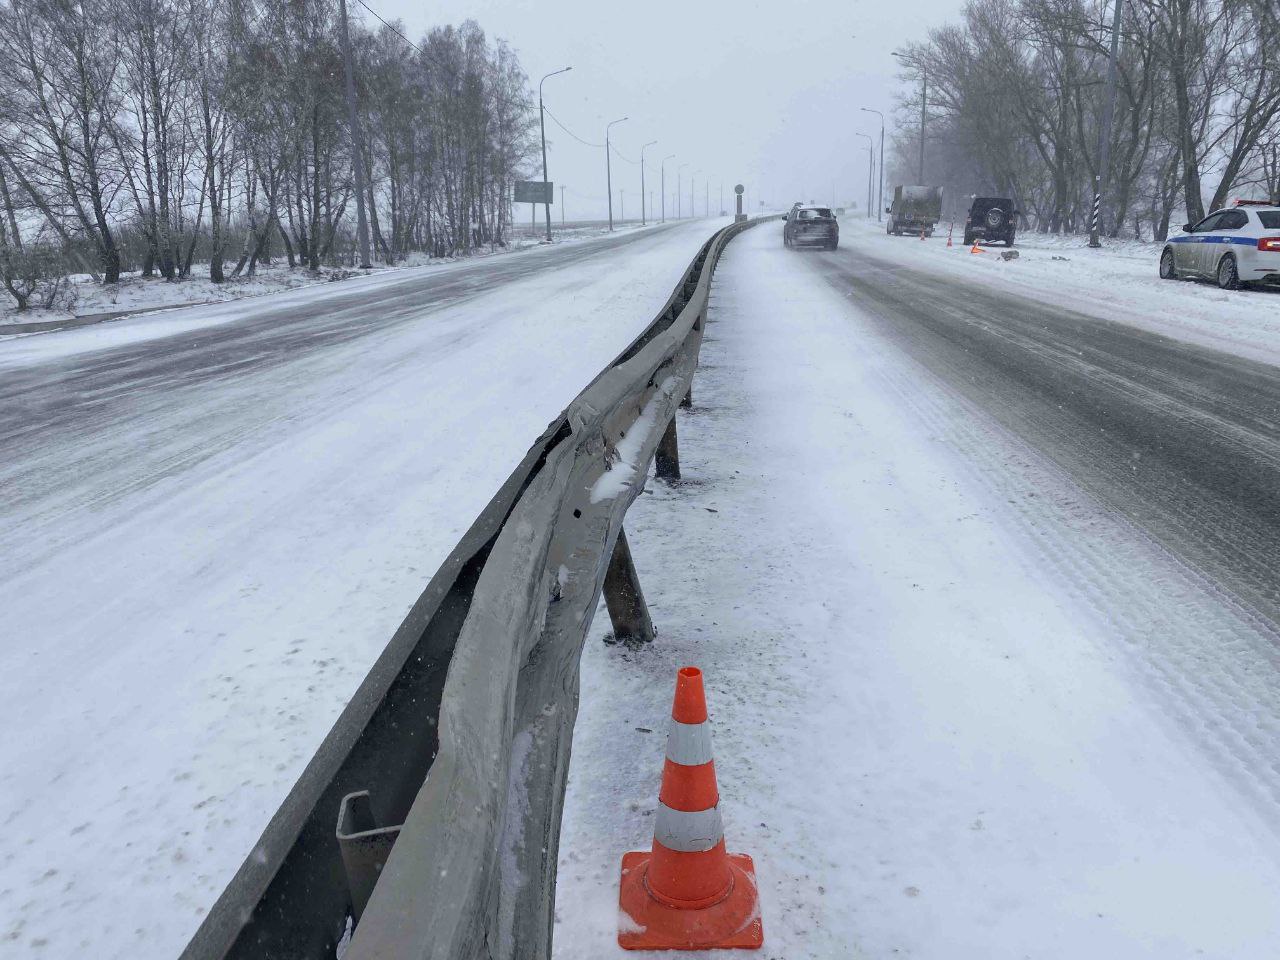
<point x="426" y="56"/>
<point x="393" y="29"/>
<point x="618" y="153"/>
<point x="257" y="21"/>
<point x="585" y="143"/>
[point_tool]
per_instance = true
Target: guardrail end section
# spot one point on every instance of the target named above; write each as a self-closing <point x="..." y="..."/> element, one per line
<point x="365" y="847"/>
<point x="628" y="612"/>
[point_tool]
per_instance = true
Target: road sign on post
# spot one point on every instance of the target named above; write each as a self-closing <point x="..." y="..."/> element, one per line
<point x="739" y="215"/>
<point x="535" y="191"/>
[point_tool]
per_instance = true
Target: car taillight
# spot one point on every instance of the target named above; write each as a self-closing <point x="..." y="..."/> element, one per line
<point x="1269" y="244"/>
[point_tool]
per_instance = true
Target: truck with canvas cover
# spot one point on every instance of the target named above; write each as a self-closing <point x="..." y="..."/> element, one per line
<point x="914" y="209"/>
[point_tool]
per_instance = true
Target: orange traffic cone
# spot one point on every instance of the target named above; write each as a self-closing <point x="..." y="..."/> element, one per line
<point x="687" y="893"/>
<point x="922" y="233"/>
<point x="975" y="248"/>
<point x="950" y="229"/>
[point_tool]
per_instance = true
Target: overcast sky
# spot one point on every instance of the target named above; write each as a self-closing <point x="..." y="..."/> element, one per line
<point x="766" y="94"/>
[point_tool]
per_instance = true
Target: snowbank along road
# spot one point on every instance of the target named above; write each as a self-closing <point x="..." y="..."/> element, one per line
<point x="977" y="586"/>
<point x="213" y="520"/>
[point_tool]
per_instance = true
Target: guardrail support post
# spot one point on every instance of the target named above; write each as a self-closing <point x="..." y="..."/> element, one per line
<point x="666" y="458"/>
<point x="364" y="846"/>
<point x="627" y="609"/>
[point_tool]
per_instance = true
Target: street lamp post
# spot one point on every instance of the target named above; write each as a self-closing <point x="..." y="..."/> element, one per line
<point x="542" y="123"/>
<point x="643" y="213"/>
<point x="693" y="211"/>
<point x="880" y="205"/>
<point x="871" y="163"/>
<point x="663" y="166"/>
<point x="679" y="191"/>
<point x="608" y="168"/>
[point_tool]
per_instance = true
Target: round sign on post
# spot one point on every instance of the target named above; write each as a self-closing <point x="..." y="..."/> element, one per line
<point x="739" y="216"/>
<point x="738" y="189"/>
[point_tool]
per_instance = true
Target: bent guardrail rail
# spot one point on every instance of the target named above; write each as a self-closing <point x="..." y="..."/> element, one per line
<point x="454" y="751"/>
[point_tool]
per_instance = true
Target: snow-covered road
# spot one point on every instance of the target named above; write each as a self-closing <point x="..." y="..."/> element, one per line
<point x="1119" y="282"/>
<point x="1180" y="440"/>
<point x="963" y="707"/>
<point x="214" y="518"/>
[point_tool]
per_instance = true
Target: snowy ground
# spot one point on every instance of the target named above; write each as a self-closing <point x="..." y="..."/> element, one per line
<point x="134" y="294"/>
<point x="960" y="710"/>
<point x="201" y="563"/>
<point x="1119" y="282"/>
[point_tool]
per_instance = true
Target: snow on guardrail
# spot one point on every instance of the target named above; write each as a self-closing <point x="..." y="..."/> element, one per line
<point x="478" y="689"/>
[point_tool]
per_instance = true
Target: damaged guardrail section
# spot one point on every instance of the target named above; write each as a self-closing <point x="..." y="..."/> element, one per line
<point x="430" y="817"/>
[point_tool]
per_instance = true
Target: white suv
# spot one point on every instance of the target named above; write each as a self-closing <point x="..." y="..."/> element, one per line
<point x="1236" y="246"/>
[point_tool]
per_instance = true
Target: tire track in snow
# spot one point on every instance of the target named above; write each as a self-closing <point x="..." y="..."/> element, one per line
<point x="1186" y="580"/>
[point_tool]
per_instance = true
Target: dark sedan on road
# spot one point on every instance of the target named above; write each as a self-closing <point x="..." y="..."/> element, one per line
<point x="811" y="226"/>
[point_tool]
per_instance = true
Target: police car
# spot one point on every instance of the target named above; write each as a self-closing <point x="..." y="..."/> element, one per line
<point x="1235" y="246"/>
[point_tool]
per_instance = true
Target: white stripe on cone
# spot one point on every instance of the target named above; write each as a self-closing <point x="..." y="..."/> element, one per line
<point x="689" y="744"/>
<point x="688" y="832"/>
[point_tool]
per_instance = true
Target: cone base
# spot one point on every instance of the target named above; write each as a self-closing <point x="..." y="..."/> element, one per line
<point x="734" y="922"/>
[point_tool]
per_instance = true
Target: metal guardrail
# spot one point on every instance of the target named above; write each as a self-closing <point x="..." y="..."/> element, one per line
<point x="479" y="688"/>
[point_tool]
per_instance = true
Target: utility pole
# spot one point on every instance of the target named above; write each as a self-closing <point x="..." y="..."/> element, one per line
<point x="880" y="205"/>
<point x="562" y="206"/>
<point x="357" y="144"/>
<point x="663" y="165"/>
<point x="542" y="123"/>
<point x="643" y="213"/>
<point x="924" y="99"/>
<point x="1102" y="179"/>
<point x="608" y="167"/>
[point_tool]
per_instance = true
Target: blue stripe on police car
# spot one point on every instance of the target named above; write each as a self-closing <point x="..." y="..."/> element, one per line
<point x="1211" y="238"/>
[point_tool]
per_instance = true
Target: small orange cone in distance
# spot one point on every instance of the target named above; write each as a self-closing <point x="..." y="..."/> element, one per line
<point x="975" y="248"/>
<point x="687" y="893"/>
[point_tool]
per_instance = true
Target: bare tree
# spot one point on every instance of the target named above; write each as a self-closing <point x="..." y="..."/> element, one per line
<point x="147" y="132"/>
<point x="1016" y="97"/>
<point x="61" y="63"/>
